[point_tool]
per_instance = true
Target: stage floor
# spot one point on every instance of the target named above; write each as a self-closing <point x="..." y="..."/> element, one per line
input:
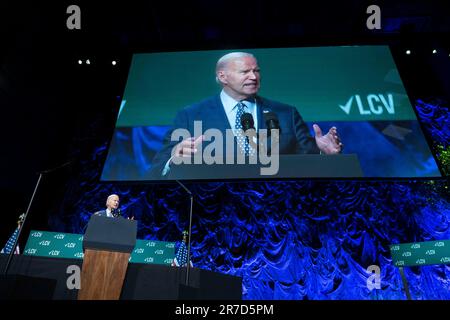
<point x="142" y="281"/>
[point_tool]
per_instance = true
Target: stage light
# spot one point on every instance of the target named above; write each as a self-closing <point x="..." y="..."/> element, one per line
<point x="80" y="62"/>
<point x="408" y="51"/>
<point x="114" y="62"/>
<point x="88" y="61"/>
<point x="434" y="51"/>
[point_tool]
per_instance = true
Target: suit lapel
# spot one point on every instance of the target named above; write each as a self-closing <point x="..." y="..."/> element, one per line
<point x="260" y="113"/>
<point x="216" y="116"/>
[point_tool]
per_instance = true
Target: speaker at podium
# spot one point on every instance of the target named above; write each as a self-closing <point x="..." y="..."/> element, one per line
<point x="107" y="244"/>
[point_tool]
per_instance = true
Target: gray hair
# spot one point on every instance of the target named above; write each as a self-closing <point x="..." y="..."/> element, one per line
<point x="112" y="195"/>
<point x="224" y="60"/>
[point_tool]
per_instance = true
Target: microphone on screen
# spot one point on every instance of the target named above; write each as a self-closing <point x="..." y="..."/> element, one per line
<point x="272" y="122"/>
<point x="273" y="131"/>
<point x="248" y="123"/>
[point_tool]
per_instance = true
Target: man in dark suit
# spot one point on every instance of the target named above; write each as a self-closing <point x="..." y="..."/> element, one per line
<point x="239" y="75"/>
<point x="112" y="207"/>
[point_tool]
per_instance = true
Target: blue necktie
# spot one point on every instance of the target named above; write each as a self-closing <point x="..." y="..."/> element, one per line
<point x="241" y="138"/>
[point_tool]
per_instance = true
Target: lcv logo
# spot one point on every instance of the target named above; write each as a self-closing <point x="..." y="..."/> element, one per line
<point x="373" y="104"/>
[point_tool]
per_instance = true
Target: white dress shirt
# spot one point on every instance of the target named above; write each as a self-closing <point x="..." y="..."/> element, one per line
<point x="109" y="213"/>
<point x="229" y="105"/>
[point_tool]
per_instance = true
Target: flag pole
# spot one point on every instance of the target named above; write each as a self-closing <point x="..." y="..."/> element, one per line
<point x="188" y="264"/>
<point x="11" y="254"/>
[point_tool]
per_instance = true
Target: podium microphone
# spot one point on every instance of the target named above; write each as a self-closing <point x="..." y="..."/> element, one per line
<point x="272" y="122"/>
<point x="247" y="121"/>
<point x="116" y="212"/>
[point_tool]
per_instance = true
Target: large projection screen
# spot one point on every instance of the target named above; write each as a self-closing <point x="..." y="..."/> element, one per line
<point x="173" y="96"/>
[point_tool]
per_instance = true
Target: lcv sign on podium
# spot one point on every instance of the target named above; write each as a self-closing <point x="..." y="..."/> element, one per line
<point x="107" y="244"/>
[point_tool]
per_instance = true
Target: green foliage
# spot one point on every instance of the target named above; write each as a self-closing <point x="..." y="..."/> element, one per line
<point x="443" y="155"/>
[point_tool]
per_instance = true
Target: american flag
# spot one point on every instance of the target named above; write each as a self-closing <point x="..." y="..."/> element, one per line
<point x="9" y="245"/>
<point x="181" y="255"/>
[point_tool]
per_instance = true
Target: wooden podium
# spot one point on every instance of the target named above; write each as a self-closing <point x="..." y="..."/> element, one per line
<point x="107" y="243"/>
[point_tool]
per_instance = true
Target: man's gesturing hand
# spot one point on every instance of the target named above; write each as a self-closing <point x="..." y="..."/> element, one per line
<point x="188" y="147"/>
<point x="329" y="143"/>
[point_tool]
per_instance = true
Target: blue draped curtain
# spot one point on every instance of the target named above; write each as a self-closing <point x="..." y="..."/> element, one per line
<point x="290" y="239"/>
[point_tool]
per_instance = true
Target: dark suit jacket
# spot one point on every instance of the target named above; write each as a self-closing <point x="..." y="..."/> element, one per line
<point x="103" y="213"/>
<point x="294" y="137"/>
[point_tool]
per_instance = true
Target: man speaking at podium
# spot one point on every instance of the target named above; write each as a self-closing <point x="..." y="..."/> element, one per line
<point x="112" y="207"/>
<point x="239" y="75"/>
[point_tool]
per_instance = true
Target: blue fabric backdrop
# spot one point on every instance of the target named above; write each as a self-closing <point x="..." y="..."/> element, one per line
<point x="290" y="239"/>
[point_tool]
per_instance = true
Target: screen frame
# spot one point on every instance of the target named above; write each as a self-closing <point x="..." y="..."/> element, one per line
<point x="392" y="45"/>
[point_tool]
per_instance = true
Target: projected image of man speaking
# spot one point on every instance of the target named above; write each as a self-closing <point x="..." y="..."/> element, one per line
<point x="179" y="119"/>
<point x="238" y="108"/>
